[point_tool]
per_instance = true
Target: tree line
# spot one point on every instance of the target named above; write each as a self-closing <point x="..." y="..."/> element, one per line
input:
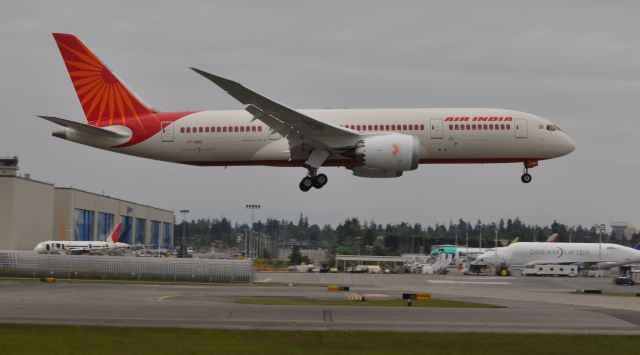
<point x="353" y="236"/>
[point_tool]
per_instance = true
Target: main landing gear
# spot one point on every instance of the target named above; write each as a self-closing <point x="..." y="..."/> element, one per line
<point x="313" y="179"/>
<point x="528" y="164"/>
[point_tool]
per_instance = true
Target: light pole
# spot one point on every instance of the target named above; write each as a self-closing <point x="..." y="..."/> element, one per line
<point x="184" y="230"/>
<point x="496" y="247"/>
<point x="253" y="209"/>
<point x="571" y="232"/>
<point x="600" y="227"/>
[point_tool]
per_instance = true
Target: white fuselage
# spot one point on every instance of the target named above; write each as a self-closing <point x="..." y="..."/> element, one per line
<point x="528" y="253"/>
<point x="69" y="246"/>
<point x="466" y="135"/>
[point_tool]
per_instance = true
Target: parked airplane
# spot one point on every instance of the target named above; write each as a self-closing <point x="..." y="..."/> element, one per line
<point x="375" y="143"/>
<point x="532" y="253"/>
<point x="79" y="247"/>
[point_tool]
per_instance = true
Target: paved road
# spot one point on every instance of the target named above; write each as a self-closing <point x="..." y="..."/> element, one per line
<point x="211" y="306"/>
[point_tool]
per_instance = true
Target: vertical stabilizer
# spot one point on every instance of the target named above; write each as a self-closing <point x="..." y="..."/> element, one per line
<point x="105" y="99"/>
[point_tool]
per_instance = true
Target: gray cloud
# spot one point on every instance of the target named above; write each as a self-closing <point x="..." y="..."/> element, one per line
<point x="575" y="62"/>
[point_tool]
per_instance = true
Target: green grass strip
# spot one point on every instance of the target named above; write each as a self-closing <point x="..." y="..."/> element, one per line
<point x="40" y="339"/>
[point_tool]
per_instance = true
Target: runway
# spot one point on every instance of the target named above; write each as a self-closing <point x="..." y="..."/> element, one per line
<point x="554" y="309"/>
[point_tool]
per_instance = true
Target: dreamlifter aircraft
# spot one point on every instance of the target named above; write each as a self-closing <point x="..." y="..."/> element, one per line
<point x="375" y="143"/>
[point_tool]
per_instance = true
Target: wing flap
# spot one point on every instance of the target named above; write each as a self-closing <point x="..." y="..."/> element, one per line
<point x="289" y="117"/>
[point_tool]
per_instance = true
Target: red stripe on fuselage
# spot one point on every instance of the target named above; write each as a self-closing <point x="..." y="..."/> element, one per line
<point x="149" y="125"/>
<point x="351" y="162"/>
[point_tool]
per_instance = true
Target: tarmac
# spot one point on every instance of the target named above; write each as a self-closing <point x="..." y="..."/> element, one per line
<point x="533" y="305"/>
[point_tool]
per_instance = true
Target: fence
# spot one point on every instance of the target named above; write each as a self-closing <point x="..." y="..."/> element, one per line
<point x="30" y="264"/>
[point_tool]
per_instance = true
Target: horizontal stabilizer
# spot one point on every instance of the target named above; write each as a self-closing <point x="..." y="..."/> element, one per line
<point x="86" y="128"/>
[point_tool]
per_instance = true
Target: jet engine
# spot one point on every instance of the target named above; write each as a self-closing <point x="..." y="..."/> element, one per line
<point x="388" y="153"/>
<point x="373" y="173"/>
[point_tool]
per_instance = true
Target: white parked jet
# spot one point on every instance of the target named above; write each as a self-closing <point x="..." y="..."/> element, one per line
<point x="375" y="143"/>
<point x="79" y="247"/>
<point x="528" y="253"/>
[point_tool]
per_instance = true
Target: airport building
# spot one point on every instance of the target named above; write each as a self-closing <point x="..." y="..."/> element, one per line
<point x="33" y="211"/>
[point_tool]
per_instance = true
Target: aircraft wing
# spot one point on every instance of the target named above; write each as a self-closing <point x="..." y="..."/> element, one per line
<point x="294" y="125"/>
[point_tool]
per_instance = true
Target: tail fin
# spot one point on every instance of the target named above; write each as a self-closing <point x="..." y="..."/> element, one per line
<point x="553" y="238"/>
<point x="105" y="99"/>
<point x="637" y="247"/>
<point x="115" y="235"/>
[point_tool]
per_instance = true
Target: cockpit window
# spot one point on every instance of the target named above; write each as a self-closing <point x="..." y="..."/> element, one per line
<point x="552" y="127"/>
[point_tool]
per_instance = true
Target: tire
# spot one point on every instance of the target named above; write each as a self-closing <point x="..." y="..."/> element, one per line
<point x="319" y="181"/>
<point x="526" y="178"/>
<point x="306" y="184"/>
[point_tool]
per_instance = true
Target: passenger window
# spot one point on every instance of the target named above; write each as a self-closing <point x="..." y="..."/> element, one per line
<point x="217" y="129"/>
<point x="253" y="128"/>
<point x="200" y="129"/>
<point x="502" y="127"/>
<point x="357" y="127"/>
<point x="508" y="126"/>
<point x="468" y="127"/>
<point x="241" y="128"/>
<point x="259" y="128"/>
<point x="451" y="127"/>
<point x="235" y="129"/>
<point x="375" y="127"/>
<point x="188" y="129"/>
<point x="491" y="127"/>
<point x="370" y="127"/>
<point x="181" y="129"/>
<point x="422" y="127"/>
<point x="484" y="127"/>
<point x="393" y="127"/>
<point x="387" y="127"/>
<point x="224" y="129"/>
<point x="206" y="129"/>
<point x="473" y="127"/>
<point x="404" y="127"/>
<point x="462" y="127"/>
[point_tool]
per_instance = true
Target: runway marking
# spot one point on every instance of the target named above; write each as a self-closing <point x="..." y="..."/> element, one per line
<point x="469" y="282"/>
<point x="163" y="298"/>
<point x="264" y="281"/>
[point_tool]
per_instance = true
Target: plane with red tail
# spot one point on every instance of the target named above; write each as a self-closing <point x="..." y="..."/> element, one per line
<point x="374" y="143"/>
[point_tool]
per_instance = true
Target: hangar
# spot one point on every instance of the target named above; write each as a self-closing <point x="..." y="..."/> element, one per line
<point x="32" y="211"/>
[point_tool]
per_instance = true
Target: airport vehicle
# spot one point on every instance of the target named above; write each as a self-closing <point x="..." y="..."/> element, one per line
<point x="81" y="247"/>
<point x="587" y="254"/>
<point x="550" y="270"/>
<point x="624" y="280"/>
<point x="374" y="143"/>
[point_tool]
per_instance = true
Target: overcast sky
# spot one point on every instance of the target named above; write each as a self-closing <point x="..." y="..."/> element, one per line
<point x="576" y="63"/>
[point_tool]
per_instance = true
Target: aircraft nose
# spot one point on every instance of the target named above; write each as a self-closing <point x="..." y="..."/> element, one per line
<point x="567" y="145"/>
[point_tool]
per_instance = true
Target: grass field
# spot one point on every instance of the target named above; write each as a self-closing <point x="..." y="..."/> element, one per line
<point x="377" y="303"/>
<point x="34" y="339"/>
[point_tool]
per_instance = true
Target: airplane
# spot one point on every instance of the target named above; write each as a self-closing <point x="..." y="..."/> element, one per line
<point x="540" y="253"/>
<point x="81" y="247"/>
<point x="374" y="143"/>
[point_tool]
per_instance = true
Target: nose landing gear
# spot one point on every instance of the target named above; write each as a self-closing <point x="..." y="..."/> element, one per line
<point x="313" y="179"/>
<point x="528" y="164"/>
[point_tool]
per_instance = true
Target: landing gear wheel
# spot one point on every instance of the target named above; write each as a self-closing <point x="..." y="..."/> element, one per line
<point x="306" y="184"/>
<point x="526" y="178"/>
<point x="319" y="181"/>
